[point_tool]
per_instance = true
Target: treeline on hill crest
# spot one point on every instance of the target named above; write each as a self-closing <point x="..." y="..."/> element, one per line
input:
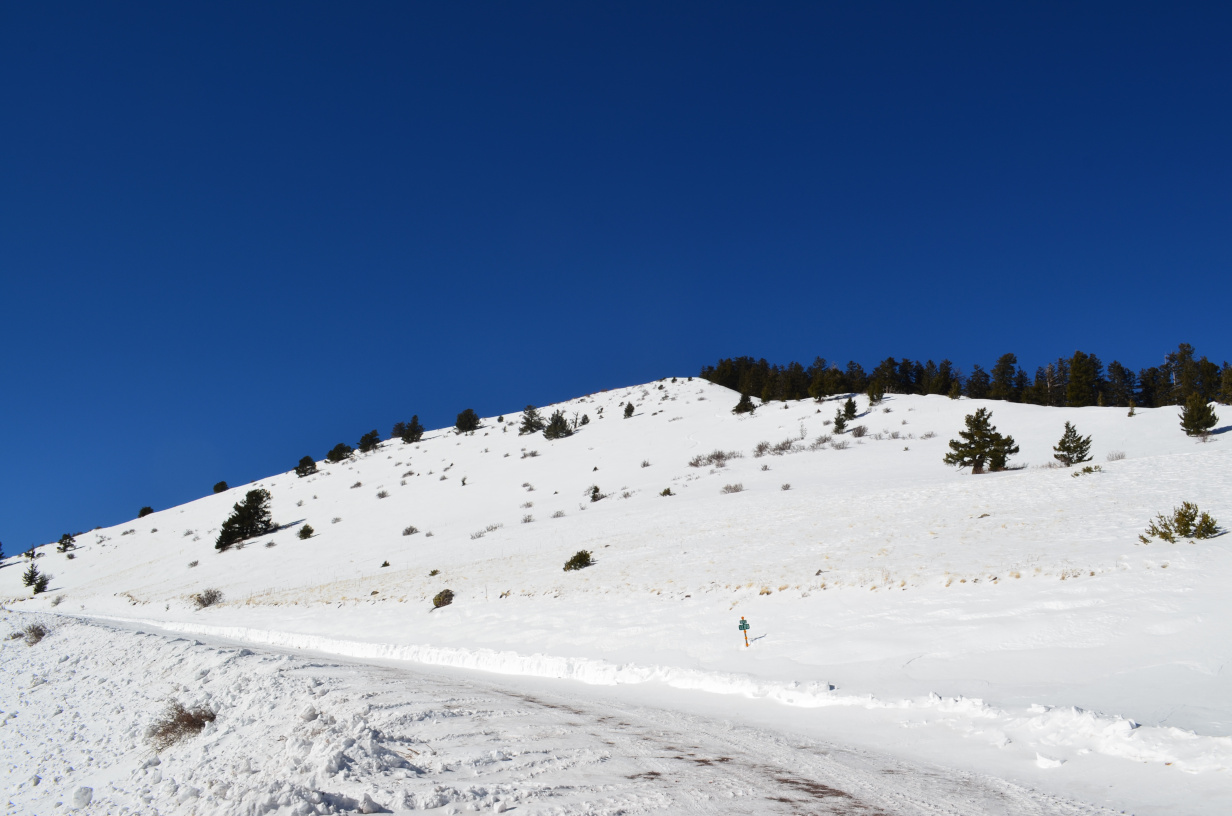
<point x="1078" y="380"/>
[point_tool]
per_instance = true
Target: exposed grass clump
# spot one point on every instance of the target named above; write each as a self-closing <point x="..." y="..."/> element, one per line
<point x="207" y="597"/>
<point x="1087" y="469"/>
<point x="716" y="459"/>
<point x="667" y="491"/>
<point x="178" y="723"/>
<point x="33" y="633"/>
<point x="580" y="560"/>
<point x="1187" y="521"/>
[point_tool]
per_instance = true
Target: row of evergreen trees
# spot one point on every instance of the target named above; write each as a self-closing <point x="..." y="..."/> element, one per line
<point x="1078" y="380"/>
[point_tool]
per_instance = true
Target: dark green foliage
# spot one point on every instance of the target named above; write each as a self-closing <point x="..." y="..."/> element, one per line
<point x="249" y="518"/>
<point x="585" y="419"/>
<point x="849" y="409"/>
<point x="979" y="383"/>
<point x="1075" y="380"/>
<point x="981" y="445"/>
<point x="306" y="532"/>
<point x="409" y="431"/>
<point x="667" y="491"/>
<point x="67" y="542"/>
<point x="1086" y="380"/>
<point x="144" y="511"/>
<point x="532" y="422"/>
<point x="339" y="452"/>
<point x="1186" y="521"/>
<point x="306" y="467"/>
<point x="558" y="427"/>
<point x="1072" y="449"/>
<point x="595" y="495"/>
<point x="580" y="560"/>
<point x="369" y="441"/>
<point x="955" y="390"/>
<point x="1197" y="417"/>
<point x="629" y="409"/>
<point x="467" y="421"/>
<point x="876" y="393"/>
<point x="840" y="421"/>
<point x="745" y="405"/>
<point x="31" y="575"/>
<point x="221" y="487"/>
<point x="442" y="598"/>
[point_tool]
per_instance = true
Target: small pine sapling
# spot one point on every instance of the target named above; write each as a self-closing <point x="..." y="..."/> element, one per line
<point x="1073" y="449"/>
<point x="144" y="511"/>
<point x="580" y="560"/>
<point x="745" y="405"/>
<point x="849" y="409"/>
<point x="628" y="410"/>
<point x="306" y="532"/>
<point x="532" y="421"/>
<point x="1198" y="417"/>
<point x="840" y="421"/>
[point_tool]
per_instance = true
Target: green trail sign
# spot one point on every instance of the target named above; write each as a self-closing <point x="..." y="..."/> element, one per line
<point x="744" y="627"/>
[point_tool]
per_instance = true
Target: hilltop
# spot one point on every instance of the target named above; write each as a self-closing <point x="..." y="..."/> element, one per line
<point x="1016" y="610"/>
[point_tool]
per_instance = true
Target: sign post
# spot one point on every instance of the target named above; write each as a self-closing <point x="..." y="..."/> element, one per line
<point x="744" y="627"/>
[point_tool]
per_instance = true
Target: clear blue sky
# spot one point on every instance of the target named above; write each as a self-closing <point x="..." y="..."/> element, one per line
<point x="232" y="234"/>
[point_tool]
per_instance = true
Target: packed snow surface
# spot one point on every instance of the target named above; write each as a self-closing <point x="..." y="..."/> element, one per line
<point x="1009" y="626"/>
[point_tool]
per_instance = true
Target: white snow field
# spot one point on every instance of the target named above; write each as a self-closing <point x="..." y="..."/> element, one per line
<point x="922" y="640"/>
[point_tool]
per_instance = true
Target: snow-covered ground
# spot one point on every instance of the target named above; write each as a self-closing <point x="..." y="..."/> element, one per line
<point x="1007" y="626"/>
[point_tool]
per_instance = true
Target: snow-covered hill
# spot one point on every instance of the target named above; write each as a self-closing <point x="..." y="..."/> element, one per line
<point x="1011" y="620"/>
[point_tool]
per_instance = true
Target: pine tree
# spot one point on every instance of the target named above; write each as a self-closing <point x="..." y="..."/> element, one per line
<point x="981" y="445"/>
<point x="1197" y="418"/>
<point x="840" y="421"/>
<point x="144" y="511"/>
<point x="220" y="487"/>
<point x="369" y="441"/>
<point x="532" y="422"/>
<point x="557" y="427"/>
<point x="467" y="421"/>
<point x="1003" y="376"/>
<point x="628" y="410"/>
<point x="876" y="393"/>
<point x="1073" y="449"/>
<point x="67" y="542"/>
<point x="409" y="431"/>
<point x="745" y="405"/>
<point x="339" y="452"/>
<point x="306" y="467"/>
<point x="30" y="576"/>
<point x="849" y="409"/>
<point x="249" y="518"/>
<point x="955" y="390"/>
<point x="978" y="383"/>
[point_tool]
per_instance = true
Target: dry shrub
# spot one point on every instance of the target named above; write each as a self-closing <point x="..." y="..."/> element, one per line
<point x="732" y="488"/>
<point x="1115" y="456"/>
<point x="33" y="633"/>
<point x="716" y="458"/>
<point x="859" y="431"/>
<point x="177" y="723"/>
<point x="207" y="597"/>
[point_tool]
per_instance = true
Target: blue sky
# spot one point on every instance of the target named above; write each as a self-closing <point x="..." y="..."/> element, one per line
<point x="235" y="234"/>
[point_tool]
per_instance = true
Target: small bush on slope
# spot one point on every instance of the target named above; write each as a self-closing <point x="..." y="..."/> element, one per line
<point x="442" y="598"/>
<point x="305" y="532"/>
<point x="177" y="723"/>
<point x="1073" y="449"/>
<point x="1187" y="521"/>
<point x="34" y="633"/>
<point x="306" y="467"/>
<point x="580" y="560"/>
<point x="207" y="597"/>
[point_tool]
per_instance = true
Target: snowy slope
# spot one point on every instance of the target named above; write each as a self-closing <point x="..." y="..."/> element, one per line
<point x="1013" y="614"/>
